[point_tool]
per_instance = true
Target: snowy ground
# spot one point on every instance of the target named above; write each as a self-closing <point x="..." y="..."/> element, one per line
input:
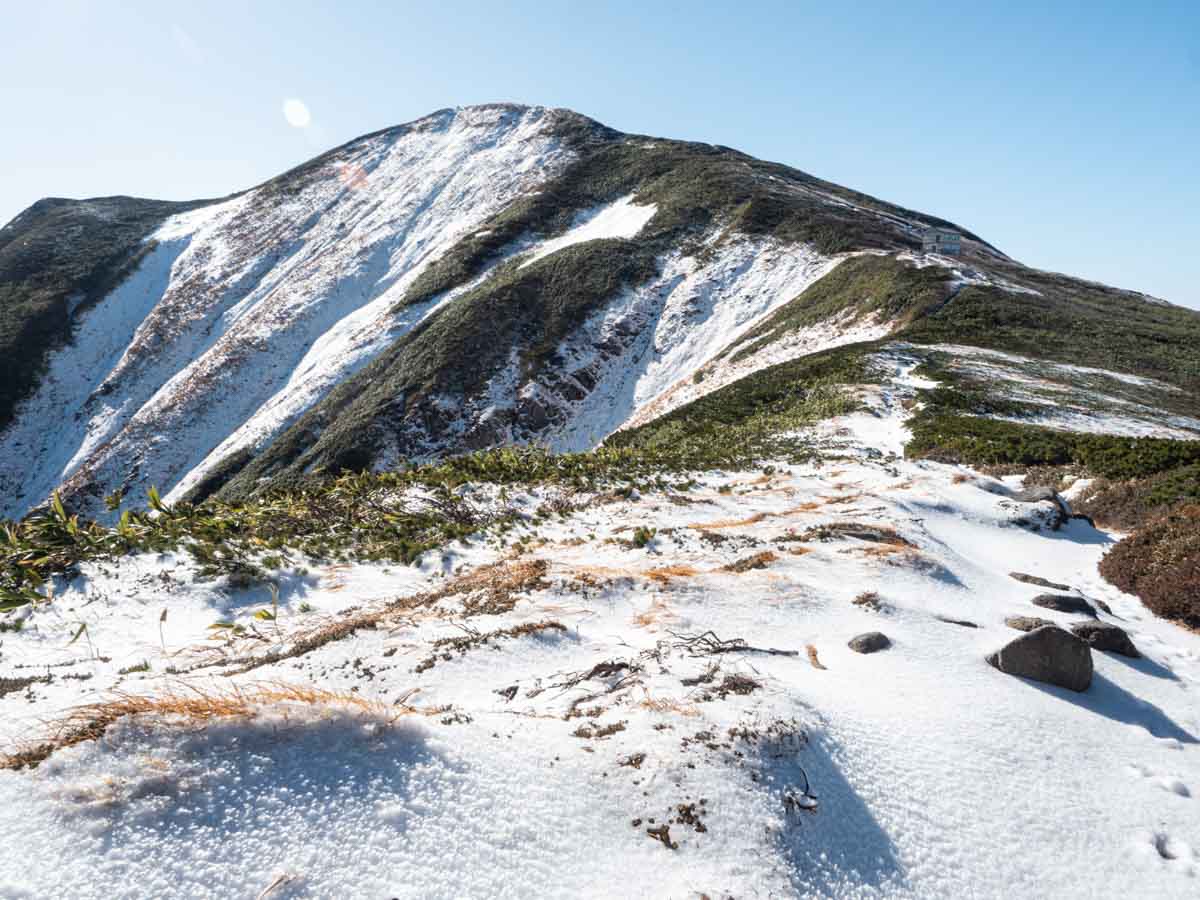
<point x="572" y="718"/>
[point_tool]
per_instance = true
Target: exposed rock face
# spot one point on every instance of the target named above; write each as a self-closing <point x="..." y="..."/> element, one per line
<point x="1039" y="581"/>
<point x="1047" y="654"/>
<point x="1026" y="623"/>
<point x="869" y="642"/>
<point x="1105" y="636"/>
<point x="1066" y="603"/>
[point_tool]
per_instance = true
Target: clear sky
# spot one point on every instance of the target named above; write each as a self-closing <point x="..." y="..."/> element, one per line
<point x="1066" y="134"/>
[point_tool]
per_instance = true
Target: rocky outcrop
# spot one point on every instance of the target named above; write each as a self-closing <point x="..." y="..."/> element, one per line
<point x="1105" y="636"/>
<point x="1039" y="581"/>
<point x="1047" y="654"/>
<point x="1065" y="603"/>
<point x="1026" y="623"/>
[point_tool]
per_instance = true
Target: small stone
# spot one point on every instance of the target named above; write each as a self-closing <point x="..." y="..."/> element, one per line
<point x="1066" y="603"/>
<point x="869" y="642"/>
<point x="1047" y="654"/>
<point x="1105" y="636"/>
<point x="1026" y="623"/>
<point x="1039" y="581"/>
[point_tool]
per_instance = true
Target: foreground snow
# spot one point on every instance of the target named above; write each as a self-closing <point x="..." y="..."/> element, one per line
<point x="555" y="748"/>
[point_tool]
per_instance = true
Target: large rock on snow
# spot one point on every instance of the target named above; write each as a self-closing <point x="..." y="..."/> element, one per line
<point x="1037" y="494"/>
<point x="1026" y="623"/>
<point x="1051" y="510"/>
<point x="1105" y="636"/>
<point x="1047" y="654"/>
<point x="1066" y="603"/>
<point x="869" y="642"/>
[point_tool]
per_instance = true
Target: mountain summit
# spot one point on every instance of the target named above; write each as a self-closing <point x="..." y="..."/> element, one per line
<point x="482" y="276"/>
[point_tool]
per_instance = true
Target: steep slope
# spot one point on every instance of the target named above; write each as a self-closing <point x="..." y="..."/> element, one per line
<point x="483" y="276"/>
<point x="243" y="313"/>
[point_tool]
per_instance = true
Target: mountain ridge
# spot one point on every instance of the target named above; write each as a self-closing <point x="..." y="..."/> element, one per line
<point x="344" y="314"/>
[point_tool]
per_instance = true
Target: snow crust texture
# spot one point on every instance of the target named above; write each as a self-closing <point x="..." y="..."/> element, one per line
<point x="578" y="693"/>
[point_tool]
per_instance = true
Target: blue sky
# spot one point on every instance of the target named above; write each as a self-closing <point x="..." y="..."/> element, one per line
<point x="1066" y="134"/>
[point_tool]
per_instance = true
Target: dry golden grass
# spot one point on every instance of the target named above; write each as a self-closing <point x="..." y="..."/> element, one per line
<point x="808" y="506"/>
<point x="799" y="551"/>
<point x="191" y="706"/>
<point x="491" y="589"/>
<point x="689" y="710"/>
<point x="658" y="613"/>
<point x="848" y="498"/>
<point x="601" y="576"/>
<point x="878" y="551"/>
<point x="812" y="657"/>
<point x="664" y="574"/>
<point x="728" y="523"/>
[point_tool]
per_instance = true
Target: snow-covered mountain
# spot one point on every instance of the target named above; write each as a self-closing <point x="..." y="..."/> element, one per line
<point x="881" y="584"/>
<point x="482" y="276"/>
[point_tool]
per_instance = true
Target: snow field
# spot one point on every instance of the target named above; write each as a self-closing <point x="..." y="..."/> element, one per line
<point x="934" y="774"/>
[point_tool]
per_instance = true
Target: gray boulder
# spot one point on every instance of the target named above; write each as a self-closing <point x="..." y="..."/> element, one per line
<point x="1026" y="623"/>
<point x="1039" y="581"/>
<point x="1104" y="636"/>
<point x="869" y="642"/>
<point x="1037" y="494"/>
<point x="1051" y="517"/>
<point x="1047" y="654"/>
<point x="1066" y="603"/>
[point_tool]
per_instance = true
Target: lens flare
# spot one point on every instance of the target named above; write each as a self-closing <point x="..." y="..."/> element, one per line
<point x="296" y="113"/>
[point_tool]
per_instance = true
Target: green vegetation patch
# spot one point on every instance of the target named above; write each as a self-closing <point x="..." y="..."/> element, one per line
<point x="527" y="311"/>
<point x="970" y="440"/>
<point x="860" y="286"/>
<point x="695" y="187"/>
<point x="756" y="417"/>
<point x="57" y="258"/>
<point x="1074" y="322"/>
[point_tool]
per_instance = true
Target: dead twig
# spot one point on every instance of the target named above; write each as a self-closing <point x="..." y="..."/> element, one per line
<point x="708" y="643"/>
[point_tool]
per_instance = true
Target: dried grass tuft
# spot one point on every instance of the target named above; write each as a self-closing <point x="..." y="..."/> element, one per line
<point x="679" y="708"/>
<point x="491" y="589"/>
<point x="728" y="523"/>
<point x="757" y="561"/>
<point x="657" y="614"/>
<point x="664" y="574"/>
<point x="191" y="706"/>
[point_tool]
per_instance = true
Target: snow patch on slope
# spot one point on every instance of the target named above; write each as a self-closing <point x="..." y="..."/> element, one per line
<point x="655" y="336"/>
<point x="620" y="219"/>
<point x="253" y="310"/>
